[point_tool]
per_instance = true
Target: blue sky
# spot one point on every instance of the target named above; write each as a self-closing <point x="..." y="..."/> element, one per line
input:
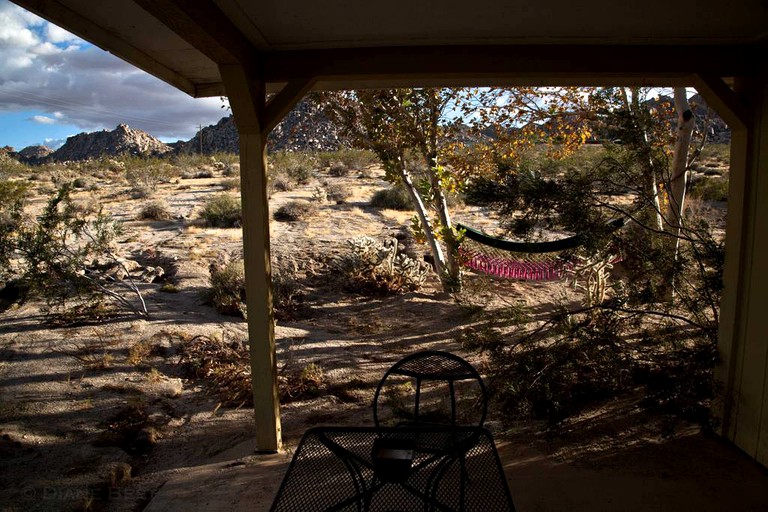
<point x="54" y="85"/>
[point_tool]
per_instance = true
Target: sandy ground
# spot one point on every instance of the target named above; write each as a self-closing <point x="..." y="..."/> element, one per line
<point x="64" y="391"/>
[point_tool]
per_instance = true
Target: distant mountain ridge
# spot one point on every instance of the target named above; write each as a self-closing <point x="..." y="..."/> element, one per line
<point x="121" y="140"/>
<point x="305" y="128"/>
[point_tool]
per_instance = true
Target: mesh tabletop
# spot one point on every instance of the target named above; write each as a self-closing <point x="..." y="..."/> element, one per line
<point x="452" y="469"/>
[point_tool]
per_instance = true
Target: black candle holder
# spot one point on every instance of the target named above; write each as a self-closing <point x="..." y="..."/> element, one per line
<point x="392" y="458"/>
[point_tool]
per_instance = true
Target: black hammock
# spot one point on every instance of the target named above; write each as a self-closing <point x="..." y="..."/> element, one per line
<point x="534" y="261"/>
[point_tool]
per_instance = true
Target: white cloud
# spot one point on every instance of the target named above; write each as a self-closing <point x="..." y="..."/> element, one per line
<point x="43" y="119"/>
<point x="54" y="143"/>
<point x="56" y="34"/>
<point x="49" y="70"/>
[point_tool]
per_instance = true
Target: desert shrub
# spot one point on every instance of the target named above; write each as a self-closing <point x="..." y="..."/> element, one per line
<point x="12" y="192"/>
<point x="710" y="189"/>
<point x="287" y="293"/>
<point x="575" y="361"/>
<point x="300" y="382"/>
<point x="231" y="170"/>
<point x="10" y="166"/>
<point x="357" y="159"/>
<point x="222" y="211"/>
<point x="293" y="211"/>
<point x="224" y="366"/>
<point x="204" y="174"/>
<point x="338" y="170"/>
<point x="374" y="266"/>
<point x="67" y="257"/>
<point x="281" y="184"/>
<point x="144" y="176"/>
<point x="154" y="210"/>
<point x="227" y="291"/>
<point x="296" y="165"/>
<point x="230" y="184"/>
<point x="337" y="192"/>
<point x="393" y="198"/>
<point x="80" y="183"/>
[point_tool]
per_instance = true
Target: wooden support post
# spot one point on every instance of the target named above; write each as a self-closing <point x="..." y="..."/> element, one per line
<point x="743" y="323"/>
<point x="246" y="97"/>
<point x="254" y="120"/>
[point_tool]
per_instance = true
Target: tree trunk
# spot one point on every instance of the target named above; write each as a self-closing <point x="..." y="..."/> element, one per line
<point x="678" y="170"/>
<point x="423" y="214"/>
<point x="451" y="281"/>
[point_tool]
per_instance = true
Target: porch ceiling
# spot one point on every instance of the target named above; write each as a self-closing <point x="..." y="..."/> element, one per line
<point x="421" y="42"/>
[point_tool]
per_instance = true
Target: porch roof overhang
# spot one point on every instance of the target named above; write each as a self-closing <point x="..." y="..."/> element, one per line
<point x="348" y="44"/>
<point x="292" y="46"/>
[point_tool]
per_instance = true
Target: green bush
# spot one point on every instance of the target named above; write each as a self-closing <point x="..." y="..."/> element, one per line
<point x="357" y="159"/>
<point x="295" y="211"/>
<point x="296" y="165"/>
<point x="67" y="257"/>
<point x="222" y="211"/>
<point x="12" y="192"/>
<point x="393" y="198"/>
<point x="710" y="188"/>
<point x="10" y="166"/>
<point x="145" y="175"/>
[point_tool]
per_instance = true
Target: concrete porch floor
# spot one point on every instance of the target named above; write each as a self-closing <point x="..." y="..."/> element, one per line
<point x="694" y="472"/>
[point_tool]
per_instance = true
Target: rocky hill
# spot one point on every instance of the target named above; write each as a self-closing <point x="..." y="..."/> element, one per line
<point x="706" y="118"/>
<point x="34" y="154"/>
<point x="305" y="128"/>
<point x="121" y="140"/>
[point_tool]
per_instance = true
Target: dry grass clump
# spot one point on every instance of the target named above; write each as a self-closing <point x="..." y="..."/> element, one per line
<point x="338" y="170"/>
<point x="154" y="210"/>
<point x="222" y="211"/>
<point x="337" y="192"/>
<point x="393" y="198"/>
<point x="295" y="211"/>
<point x="225" y="368"/>
<point x="227" y="292"/>
<point x="230" y="184"/>
<point x="281" y="184"/>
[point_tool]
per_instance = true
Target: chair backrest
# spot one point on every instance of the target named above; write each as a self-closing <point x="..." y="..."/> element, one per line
<point x="430" y="387"/>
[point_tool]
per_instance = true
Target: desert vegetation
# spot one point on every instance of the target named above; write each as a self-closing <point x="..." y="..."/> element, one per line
<point x="136" y="266"/>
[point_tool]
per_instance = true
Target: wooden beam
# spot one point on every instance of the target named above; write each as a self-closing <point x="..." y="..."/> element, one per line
<point x="108" y="41"/>
<point x="247" y="98"/>
<point x="282" y="102"/>
<point x="535" y="62"/>
<point x="204" y="26"/>
<point x="726" y="103"/>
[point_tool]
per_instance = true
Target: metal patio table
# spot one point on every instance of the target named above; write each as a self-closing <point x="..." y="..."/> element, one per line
<point x="425" y="468"/>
